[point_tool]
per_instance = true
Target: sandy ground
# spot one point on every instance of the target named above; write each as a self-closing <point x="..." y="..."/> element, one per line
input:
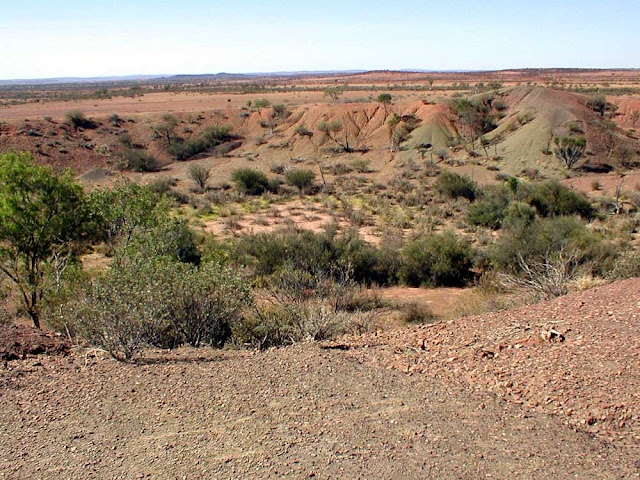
<point x="156" y="103"/>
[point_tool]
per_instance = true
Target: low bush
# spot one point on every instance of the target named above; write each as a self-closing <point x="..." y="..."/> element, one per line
<point x="205" y="302"/>
<point x="437" y="261"/>
<point x="77" y="120"/>
<point x="627" y="265"/>
<point x="121" y="310"/>
<point x="250" y="181"/>
<point x="301" y="179"/>
<point x="531" y="242"/>
<point x="454" y="186"/>
<point x="328" y="252"/>
<point x="417" y="313"/>
<point x="138" y="161"/>
<point x="490" y="211"/>
<point x="297" y="306"/>
<point x="160" y="302"/>
<point x="211" y="137"/>
<point x="551" y="199"/>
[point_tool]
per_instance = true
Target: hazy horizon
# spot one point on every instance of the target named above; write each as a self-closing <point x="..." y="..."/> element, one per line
<point x="116" y="38"/>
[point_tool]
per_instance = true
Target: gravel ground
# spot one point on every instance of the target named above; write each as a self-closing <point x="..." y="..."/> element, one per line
<point x="576" y="357"/>
<point x="298" y="412"/>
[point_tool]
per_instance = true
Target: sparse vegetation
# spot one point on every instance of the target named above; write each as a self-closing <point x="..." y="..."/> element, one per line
<point x="77" y="119"/>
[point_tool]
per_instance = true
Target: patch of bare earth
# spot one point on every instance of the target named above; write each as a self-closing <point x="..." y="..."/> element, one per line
<point x="20" y="341"/>
<point x="577" y="358"/>
<point x="297" y="412"/>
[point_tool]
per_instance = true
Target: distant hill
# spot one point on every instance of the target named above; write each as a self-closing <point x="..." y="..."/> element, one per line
<point x="63" y="80"/>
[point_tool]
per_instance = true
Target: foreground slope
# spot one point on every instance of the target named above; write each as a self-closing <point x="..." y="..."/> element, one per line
<point x="576" y="357"/>
<point x="297" y="412"/>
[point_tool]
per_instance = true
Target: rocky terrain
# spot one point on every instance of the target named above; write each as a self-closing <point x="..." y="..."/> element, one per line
<point x="547" y="391"/>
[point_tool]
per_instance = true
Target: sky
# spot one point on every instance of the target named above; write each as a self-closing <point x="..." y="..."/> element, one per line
<point x="80" y="38"/>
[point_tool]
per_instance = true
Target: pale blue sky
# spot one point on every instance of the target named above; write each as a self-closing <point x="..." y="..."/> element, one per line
<point x="54" y="38"/>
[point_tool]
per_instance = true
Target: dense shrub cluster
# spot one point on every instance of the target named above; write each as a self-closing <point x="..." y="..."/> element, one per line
<point x="250" y="181"/>
<point x="328" y="252"/>
<point x="138" y="161"/>
<point x="296" y="305"/>
<point x="522" y="200"/>
<point x="212" y="136"/>
<point x="160" y="302"/>
<point x="454" y="186"/>
<point x="437" y="261"/>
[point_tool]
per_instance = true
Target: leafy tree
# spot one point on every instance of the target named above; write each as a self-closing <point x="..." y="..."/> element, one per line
<point x="250" y="181"/>
<point x="136" y="224"/>
<point x="332" y="129"/>
<point x="261" y="103"/>
<point x="166" y="129"/>
<point x="333" y="93"/>
<point x="385" y="100"/>
<point x="200" y="175"/>
<point x="570" y="149"/>
<point x="301" y="179"/>
<point x="42" y="217"/>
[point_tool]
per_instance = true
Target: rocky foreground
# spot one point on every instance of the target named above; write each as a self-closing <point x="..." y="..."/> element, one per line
<point x="548" y="391"/>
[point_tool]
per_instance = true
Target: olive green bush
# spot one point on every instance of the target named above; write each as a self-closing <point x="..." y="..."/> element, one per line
<point x="453" y="185"/>
<point x="441" y="260"/>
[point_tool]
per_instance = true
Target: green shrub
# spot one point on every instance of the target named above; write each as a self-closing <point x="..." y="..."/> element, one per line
<point x="328" y="252"/>
<point x="77" y="119"/>
<point x="138" y="161"/>
<point x="159" y="302"/>
<point x="437" y="261"/>
<point x="136" y="224"/>
<point x="301" y="179"/>
<point x="552" y="199"/>
<point x="121" y="310"/>
<point x="250" y="181"/>
<point x="490" y="211"/>
<point x="204" y="302"/>
<point x="518" y="216"/>
<point x="211" y="137"/>
<point x="534" y="241"/>
<point x="454" y="186"/>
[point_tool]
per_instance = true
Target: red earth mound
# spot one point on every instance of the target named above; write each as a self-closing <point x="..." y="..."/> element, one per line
<point x="18" y="341"/>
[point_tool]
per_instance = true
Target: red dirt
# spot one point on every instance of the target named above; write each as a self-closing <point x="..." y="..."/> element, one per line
<point x="297" y="412"/>
<point x="590" y="381"/>
<point x="482" y="397"/>
<point x="19" y="341"/>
